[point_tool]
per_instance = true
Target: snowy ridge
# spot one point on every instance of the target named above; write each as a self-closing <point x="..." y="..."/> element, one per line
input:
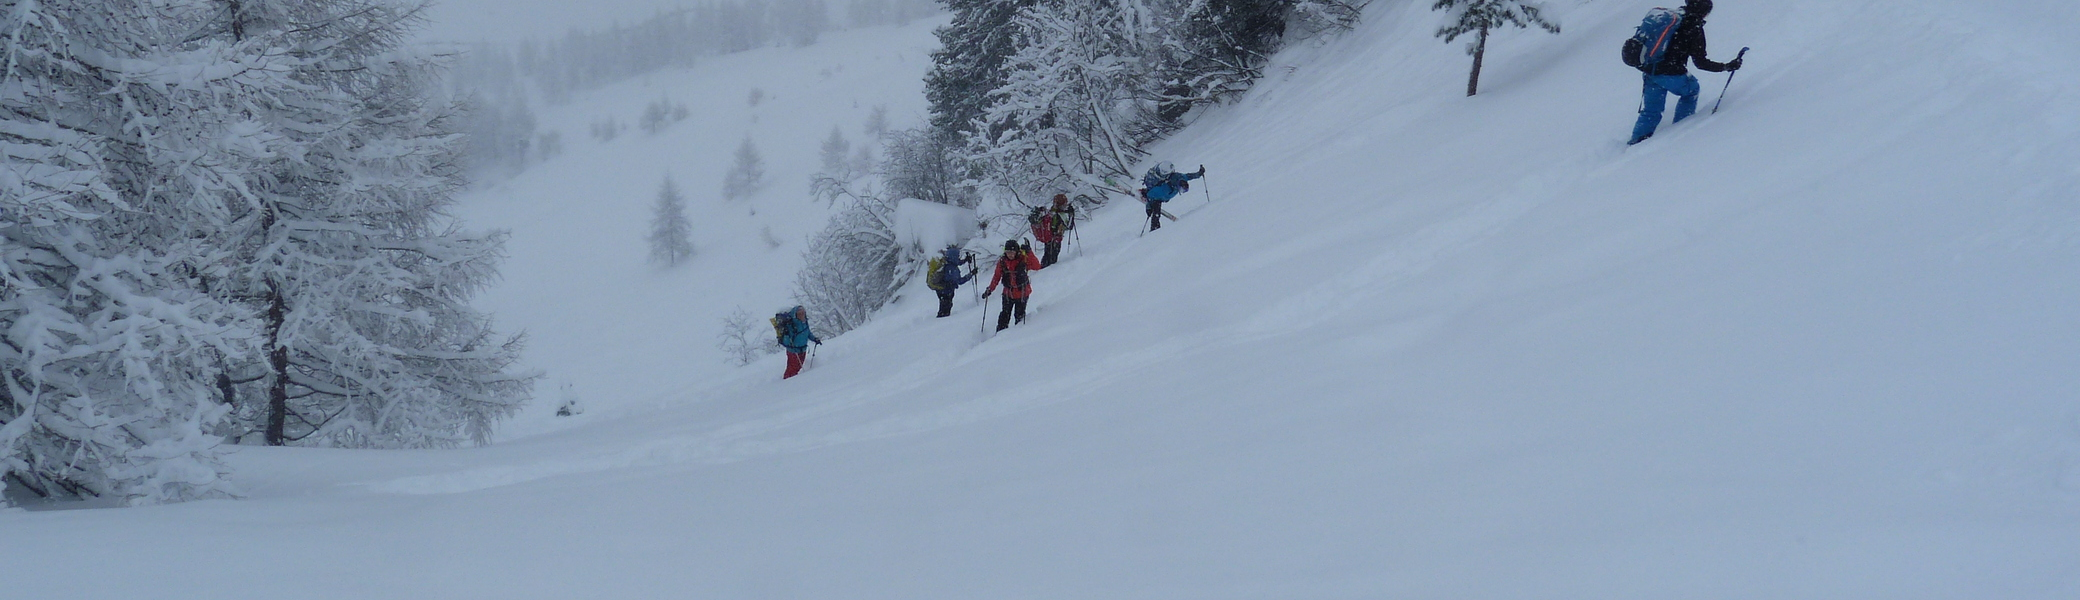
<point x="1819" y="345"/>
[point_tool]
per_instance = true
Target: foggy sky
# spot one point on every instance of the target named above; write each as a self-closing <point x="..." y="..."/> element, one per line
<point x="510" y="20"/>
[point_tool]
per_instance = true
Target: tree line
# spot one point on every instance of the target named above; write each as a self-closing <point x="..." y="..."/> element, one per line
<point x="502" y="81"/>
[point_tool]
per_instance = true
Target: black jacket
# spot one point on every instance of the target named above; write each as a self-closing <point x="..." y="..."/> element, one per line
<point x="1688" y="46"/>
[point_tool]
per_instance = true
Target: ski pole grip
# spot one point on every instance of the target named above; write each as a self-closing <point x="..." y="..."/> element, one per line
<point x="1743" y="54"/>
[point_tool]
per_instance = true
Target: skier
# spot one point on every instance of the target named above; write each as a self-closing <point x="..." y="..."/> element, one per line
<point x="792" y="327"/>
<point x="1670" y="76"/>
<point x="944" y="276"/>
<point x="1051" y="226"/>
<point x="1160" y="185"/>
<point x="1014" y="270"/>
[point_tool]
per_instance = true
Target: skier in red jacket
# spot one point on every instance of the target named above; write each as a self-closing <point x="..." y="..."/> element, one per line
<point x="1014" y="270"/>
<point x="1051" y="226"/>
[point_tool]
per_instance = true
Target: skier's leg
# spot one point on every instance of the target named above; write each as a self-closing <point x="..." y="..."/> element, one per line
<point x="945" y="304"/>
<point x="1021" y="311"/>
<point x="1688" y="92"/>
<point x="1654" y="101"/>
<point x="794" y="364"/>
<point x="1004" y="318"/>
<point x="1054" y="253"/>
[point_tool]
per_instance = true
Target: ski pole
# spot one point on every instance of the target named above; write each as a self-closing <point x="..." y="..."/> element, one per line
<point x="1729" y="82"/>
<point x="1207" y="186"/>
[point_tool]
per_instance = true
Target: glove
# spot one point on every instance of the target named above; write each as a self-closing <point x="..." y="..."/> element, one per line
<point x="1734" y="66"/>
<point x="985" y="295"/>
<point x="1202" y="171"/>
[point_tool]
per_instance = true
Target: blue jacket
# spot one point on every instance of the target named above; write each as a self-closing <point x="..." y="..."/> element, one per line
<point x="951" y="269"/>
<point x="1161" y="188"/>
<point x="798" y="335"/>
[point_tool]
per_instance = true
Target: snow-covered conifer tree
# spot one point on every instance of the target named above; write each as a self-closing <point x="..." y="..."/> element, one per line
<point x="125" y="149"/>
<point x="877" y="121"/>
<point x="360" y="279"/>
<point x="971" y="61"/>
<point x="837" y="152"/>
<point x="1478" y="17"/>
<point x="746" y="175"/>
<point x="1071" y="95"/>
<point x="671" y="234"/>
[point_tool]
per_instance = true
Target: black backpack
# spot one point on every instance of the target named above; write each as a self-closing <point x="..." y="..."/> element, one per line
<point x="1017" y="279"/>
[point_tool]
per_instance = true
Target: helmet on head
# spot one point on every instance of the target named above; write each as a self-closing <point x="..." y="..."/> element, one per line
<point x="1166" y="168"/>
<point x="1061" y="198"/>
<point x="1697" y="8"/>
<point x="1010" y="245"/>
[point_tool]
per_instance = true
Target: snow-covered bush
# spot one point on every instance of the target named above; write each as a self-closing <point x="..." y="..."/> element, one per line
<point x="745" y="338"/>
<point x="855" y="264"/>
<point x="922" y="163"/>
<point x="660" y="115"/>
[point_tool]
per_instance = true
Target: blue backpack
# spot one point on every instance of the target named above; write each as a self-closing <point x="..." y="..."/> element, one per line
<point x="1654" y="36"/>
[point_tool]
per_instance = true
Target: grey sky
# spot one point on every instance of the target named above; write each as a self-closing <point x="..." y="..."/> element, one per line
<point x="507" y="20"/>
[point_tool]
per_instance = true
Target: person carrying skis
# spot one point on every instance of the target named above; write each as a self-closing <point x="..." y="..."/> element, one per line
<point x="1014" y="270"/>
<point x="1160" y="185"/>
<point x="1669" y="76"/>
<point x="944" y="276"/>
<point x="1051" y="226"/>
<point x="792" y="327"/>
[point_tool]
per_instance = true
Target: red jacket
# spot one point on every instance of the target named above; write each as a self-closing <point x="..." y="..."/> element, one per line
<point x="1005" y="266"/>
<point x="1043" y="232"/>
<point x="1054" y="223"/>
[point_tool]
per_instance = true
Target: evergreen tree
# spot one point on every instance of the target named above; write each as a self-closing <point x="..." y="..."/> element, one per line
<point x="837" y="152"/>
<point x="970" y="63"/>
<point x="1478" y="17"/>
<point x="671" y="234"/>
<point x="126" y="142"/>
<point x="745" y="176"/>
<point x="360" y="280"/>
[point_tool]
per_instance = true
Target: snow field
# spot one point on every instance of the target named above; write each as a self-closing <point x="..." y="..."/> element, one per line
<point x="1420" y="345"/>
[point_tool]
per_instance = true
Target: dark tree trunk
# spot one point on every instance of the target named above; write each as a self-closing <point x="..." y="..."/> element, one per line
<point x="1480" y="51"/>
<point x="278" y="368"/>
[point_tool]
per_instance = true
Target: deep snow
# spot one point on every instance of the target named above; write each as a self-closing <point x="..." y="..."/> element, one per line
<point x="1821" y="345"/>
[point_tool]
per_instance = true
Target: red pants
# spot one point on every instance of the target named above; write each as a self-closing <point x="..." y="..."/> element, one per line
<point x="794" y="364"/>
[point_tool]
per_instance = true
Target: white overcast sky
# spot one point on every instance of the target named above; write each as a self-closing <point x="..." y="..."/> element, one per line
<point x="508" y="20"/>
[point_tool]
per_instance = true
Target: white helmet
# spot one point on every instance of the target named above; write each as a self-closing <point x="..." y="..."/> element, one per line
<point x="1165" y="168"/>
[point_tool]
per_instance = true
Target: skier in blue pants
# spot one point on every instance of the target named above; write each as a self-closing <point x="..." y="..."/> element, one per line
<point x="1671" y="76"/>
<point x="1160" y="185"/>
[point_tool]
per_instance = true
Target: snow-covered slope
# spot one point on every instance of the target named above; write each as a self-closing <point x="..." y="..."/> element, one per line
<point x="616" y="331"/>
<point x="1821" y="345"/>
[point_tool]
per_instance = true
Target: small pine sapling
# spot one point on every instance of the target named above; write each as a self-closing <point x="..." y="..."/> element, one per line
<point x="1477" y="17"/>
